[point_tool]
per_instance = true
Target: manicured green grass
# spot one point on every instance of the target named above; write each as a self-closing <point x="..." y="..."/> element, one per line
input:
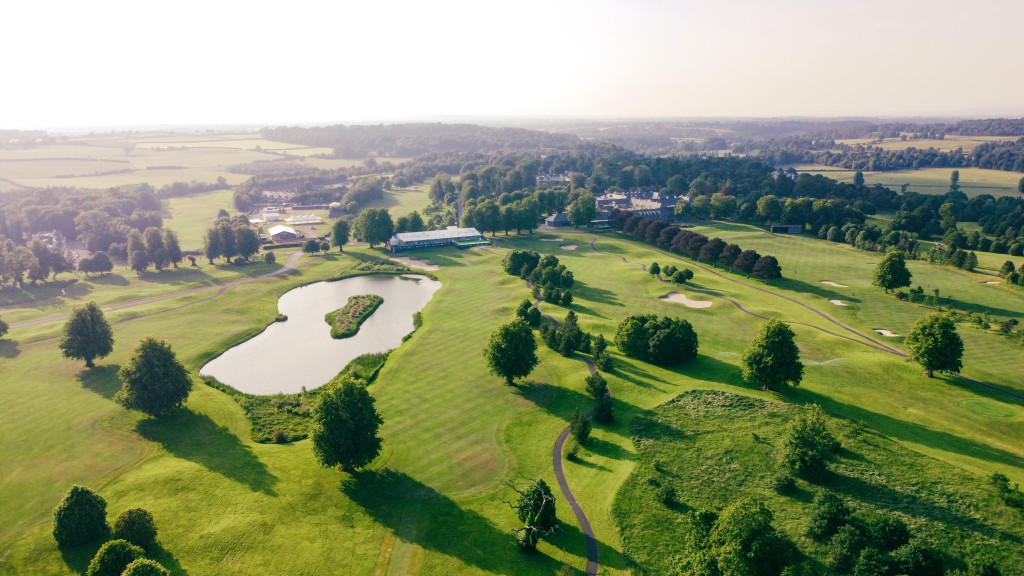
<point x="191" y="216"/>
<point x="453" y="432"/>
<point x="714" y="448"/>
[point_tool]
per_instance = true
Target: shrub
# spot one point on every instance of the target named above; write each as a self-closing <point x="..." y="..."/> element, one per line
<point x="830" y="513"/>
<point x="580" y="426"/>
<point x="603" y="410"/>
<point x="572" y="449"/>
<point x="145" y="567"/>
<point x="844" y="549"/>
<point x="136" y="525"/>
<point x="887" y="531"/>
<point x="870" y="562"/>
<point x="782" y="484"/>
<point x="280" y="437"/>
<point x="81" y="517"/>
<point x="809" y="445"/>
<point x="269" y="258"/>
<point x="916" y="559"/>
<point x="113" y="557"/>
<point x="666" y="494"/>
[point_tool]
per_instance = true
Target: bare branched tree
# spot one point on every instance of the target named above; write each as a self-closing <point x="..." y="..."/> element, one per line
<point x="535" y="507"/>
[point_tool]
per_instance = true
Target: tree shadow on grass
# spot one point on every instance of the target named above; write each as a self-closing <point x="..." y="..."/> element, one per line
<point x="560" y="402"/>
<point x="9" y="348"/>
<point x="583" y="291"/>
<point x="197" y="438"/>
<point x="167" y="560"/>
<point x="808" y="288"/>
<point x="77" y="558"/>
<point x="441" y="525"/>
<point x="109" y="280"/>
<point x="101" y="379"/>
<point x="888" y="498"/>
<point x="607" y="449"/>
<point x="907" y="431"/>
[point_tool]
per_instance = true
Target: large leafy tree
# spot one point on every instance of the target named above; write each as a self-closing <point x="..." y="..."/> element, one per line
<point x="666" y="341"/>
<point x="156" y="251"/>
<point x="374" y="225"/>
<point x="891" y="273"/>
<point x="511" y="351"/>
<point x="582" y="210"/>
<point x="340" y="233"/>
<point x="87" y="335"/>
<point x="113" y="557"/>
<point x="935" y="344"/>
<point x="247" y="242"/>
<point x="153" y="380"/>
<point x="767" y="268"/>
<point x="773" y="359"/>
<point x="136" y="525"/>
<point x="808" y="445"/>
<point x="3" y="327"/>
<point x="172" y="246"/>
<point x="80" y="517"/>
<point x="345" y="425"/>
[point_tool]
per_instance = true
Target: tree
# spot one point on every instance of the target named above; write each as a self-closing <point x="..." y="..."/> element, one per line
<point x="808" y="445"/>
<point x="312" y="246"/>
<point x="340" y="233"/>
<point x="99" y="264"/>
<point x="535" y="508"/>
<point x="891" y="273"/>
<point x="138" y="257"/>
<point x="227" y="240"/>
<point x="113" y="557"/>
<point x="1020" y="186"/>
<point x="745" y="261"/>
<point x="87" y="335"/>
<point x="654" y="269"/>
<point x="681" y="276"/>
<point x="580" y="426"/>
<point x="374" y="225"/>
<point x="663" y="341"/>
<point x="744" y="541"/>
<point x="1006" y="269"/>
<point x="269" y="257"/>
<point x="80" y="517"/>
<point x="172" y="246"/>
<point x="345" y="425"/>
<point x="145" y="567"/>
<point x="3" y="328"/>
<point x="153" y="380"/>
<point x="212" y="244"/>
<point x="829" y="514"/>
<point x="156" y="252"/>
<point x="136" y="525"/>
<point x="582" y="211"/>
<point x="597" y="387"/>
<point x="935" y="344"/>
<point x="767" y="268"/>
<point x="511" y="351"/>
<point x="773" y="359"/>
<point x="247" y="242"/>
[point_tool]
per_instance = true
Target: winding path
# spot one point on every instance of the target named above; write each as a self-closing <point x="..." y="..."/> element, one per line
<point x="289" y="265"/>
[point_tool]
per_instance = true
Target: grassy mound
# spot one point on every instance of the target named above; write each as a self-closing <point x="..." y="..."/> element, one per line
<point x="713" y="448"/>
<point x="345" y="321"/>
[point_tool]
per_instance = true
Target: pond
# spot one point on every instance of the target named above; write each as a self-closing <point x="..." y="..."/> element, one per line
<point x="300" y="352"/>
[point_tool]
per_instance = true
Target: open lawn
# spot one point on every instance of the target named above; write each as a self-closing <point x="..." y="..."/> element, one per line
<point x="432" y="504"/>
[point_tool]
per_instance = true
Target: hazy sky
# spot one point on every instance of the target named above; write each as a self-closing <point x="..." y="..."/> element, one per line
<point x="101" y="63"/>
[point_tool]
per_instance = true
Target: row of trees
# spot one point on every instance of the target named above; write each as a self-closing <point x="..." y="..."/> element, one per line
<point x="662" y="340"/>
<point x="488" y="216"/>
<point x="154" y="247"/>
<point x="230" y="238"/>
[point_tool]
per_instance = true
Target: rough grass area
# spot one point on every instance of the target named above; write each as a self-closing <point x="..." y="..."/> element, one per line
<point x="345" y="321"/>
<point x="283" y="418"/>
<point x="716" y="447"/>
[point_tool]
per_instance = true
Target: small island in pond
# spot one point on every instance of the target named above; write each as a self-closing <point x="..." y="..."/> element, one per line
<point x="345" y="321"/>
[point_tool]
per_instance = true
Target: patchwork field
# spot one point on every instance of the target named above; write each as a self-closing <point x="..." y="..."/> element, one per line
<point x="432" y="504"/>
<point x="973" y="181"/>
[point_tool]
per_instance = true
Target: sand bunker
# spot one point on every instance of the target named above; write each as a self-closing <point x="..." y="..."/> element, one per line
<point x="838" y="302"/>
<point x="831" y="283"/>
<point x="991" y="282"/>
<point x="682" y="299"/>
<point x="551" y="239"/>
<point x="569" y="247"/>
<point x="886" y="333"/>
<point x="418" y="264"/>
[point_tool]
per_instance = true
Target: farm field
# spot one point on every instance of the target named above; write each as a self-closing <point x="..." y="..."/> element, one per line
<point x="453" y="433"/>
<point x="973" y="181"/>
<point x="109" y="160"/>
<point x="948" y="142"/>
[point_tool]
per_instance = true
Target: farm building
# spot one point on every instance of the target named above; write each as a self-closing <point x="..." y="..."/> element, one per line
<point x="280" y="233"/>
<point x="560" y="219"/>
<point x="451" y="236"/>
<point x="787" y="228"/>
<point x="299" y="219"/>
